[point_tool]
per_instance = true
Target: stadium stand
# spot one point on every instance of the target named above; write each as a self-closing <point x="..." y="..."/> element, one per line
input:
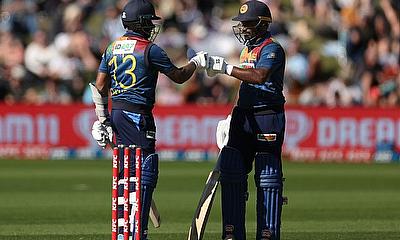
<point x="339" y="52"/>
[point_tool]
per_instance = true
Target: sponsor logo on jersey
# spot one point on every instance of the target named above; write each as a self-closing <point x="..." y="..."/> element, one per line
<point x="124" y="47"/>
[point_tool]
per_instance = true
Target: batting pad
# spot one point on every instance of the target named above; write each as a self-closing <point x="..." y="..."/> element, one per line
<point x="149" y="182"/>
<point x="268" y="178"/>
<point x="233" y="192"/>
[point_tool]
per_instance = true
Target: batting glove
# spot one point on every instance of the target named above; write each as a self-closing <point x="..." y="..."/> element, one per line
<point x="102" y="133"/>
<point x="200" y="60"/>
<point x="222" y="134"/>
<point x="217" y="65"/>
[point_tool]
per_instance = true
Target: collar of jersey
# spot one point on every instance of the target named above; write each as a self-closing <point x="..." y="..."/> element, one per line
<point x="261" y="41"/>
<point x="130" y="33"/>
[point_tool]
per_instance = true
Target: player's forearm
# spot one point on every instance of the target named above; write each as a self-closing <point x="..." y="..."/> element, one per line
<point x="254" y="76"/>
<point x="102" y="84"/>
<point x="181" y="75"/>
<point x="217" y="64"/>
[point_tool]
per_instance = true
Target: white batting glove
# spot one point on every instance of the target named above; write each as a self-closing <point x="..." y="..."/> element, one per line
<point x="200" y="60"/>
<point x="222" y="133"/>
<point x="102" y="133"/>
<point x="217" y="65"/>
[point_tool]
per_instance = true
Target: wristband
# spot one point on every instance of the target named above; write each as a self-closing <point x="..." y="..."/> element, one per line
<point x="229" y="69"/>
<point x="194" y="61"/>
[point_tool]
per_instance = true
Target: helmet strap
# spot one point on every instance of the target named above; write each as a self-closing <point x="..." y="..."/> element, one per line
<point x="261" y="29"/>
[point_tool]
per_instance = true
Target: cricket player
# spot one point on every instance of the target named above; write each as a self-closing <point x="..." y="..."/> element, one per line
<point x="256" y="128"/>
<point x="128" y="71"/>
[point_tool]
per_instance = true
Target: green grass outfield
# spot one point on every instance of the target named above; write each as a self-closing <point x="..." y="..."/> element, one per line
<point x="54" y="200"/>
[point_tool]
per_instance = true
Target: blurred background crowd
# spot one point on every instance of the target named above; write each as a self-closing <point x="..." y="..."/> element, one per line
<point x="339" y="52"/>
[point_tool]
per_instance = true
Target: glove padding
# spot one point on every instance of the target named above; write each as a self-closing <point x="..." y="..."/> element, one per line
<point x="102" y="133"/>
<point x="200" y="60"/>
<point x="222" y="133"/>
<point x="217" y="65"/>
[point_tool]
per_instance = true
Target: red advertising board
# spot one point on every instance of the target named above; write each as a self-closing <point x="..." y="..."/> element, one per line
<point x="54" y="125"/>
<point x="312" y="134"/>
<point x="37" y="131"/>
<point x="349" y="134"/>
<point x="188" y="127"/>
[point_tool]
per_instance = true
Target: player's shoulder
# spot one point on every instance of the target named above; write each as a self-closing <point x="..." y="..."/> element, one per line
<point x="156" y="50"/>
<point x="274" y="47"/>
<point x="155" y="47"/>
<point x="274" y="44"/>
<point x="109" y="49"/>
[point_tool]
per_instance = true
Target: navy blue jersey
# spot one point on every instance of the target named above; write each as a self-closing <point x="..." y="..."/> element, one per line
<point x="271" y="55"/>
<point x="133" y="64"/>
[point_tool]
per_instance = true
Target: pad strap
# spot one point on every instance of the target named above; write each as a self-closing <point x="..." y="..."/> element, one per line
<point x="150" y="171"/>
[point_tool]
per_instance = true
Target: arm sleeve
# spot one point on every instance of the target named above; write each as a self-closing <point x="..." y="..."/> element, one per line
<point x="272" y="56"/>
<point x="159" y="59"/>
<point x="103" y="65"/>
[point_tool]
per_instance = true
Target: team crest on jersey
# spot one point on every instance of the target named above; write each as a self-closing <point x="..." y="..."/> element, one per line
<point x="124" y="47"/>
<point x="271" y="55"/>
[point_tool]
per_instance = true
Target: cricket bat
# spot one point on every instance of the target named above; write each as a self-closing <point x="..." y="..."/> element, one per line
<point x="154" y="215"/>
<point x="203" y="209"/>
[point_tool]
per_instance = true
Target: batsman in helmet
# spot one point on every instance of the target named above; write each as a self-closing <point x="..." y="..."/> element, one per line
<point x="256" y="129"/>
<point x="128" y="72"/>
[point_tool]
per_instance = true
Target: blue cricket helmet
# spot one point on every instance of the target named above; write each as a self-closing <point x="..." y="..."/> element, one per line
<point x="253" y="11"/>
<point x="138" y="15"/>
<point x="254" y="18"/>
<point x="134" y="10"/>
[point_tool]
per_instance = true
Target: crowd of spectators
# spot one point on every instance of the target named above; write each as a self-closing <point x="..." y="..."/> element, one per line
<point x="339" y="52"/>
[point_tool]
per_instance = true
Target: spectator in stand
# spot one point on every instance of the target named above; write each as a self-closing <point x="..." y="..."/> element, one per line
<point x="112" y="28"/>
<point x="349" y="45"/>
<point x="11" y="64"/>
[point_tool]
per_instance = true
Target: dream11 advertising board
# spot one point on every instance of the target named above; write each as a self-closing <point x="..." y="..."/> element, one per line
<point x="350" y="134"/>
<point x="188" y="133"/>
